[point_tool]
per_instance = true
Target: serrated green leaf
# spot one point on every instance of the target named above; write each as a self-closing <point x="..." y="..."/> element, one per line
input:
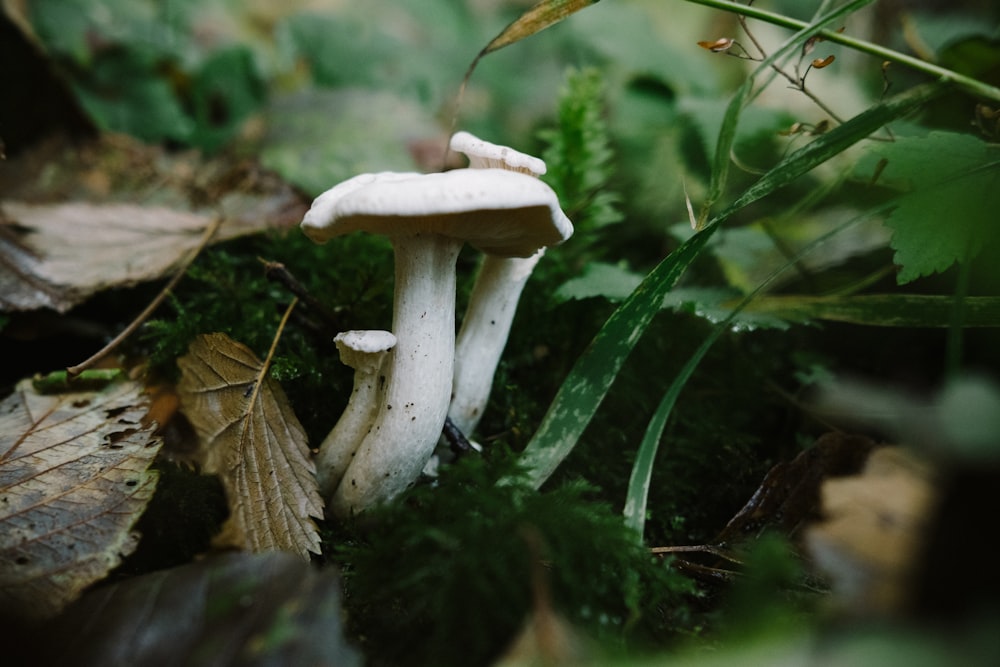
<point x="950" y="207"/>
<point x="613" y="282"/>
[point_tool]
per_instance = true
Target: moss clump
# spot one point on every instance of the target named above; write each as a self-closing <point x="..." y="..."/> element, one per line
<point x="444" y="575"/>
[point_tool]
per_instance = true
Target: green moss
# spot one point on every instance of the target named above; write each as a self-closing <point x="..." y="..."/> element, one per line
<point x="444" y="575"/>
<point x="227" y="291"/>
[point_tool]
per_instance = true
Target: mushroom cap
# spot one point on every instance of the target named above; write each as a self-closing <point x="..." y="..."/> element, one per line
<point x="364" y="341"/>
<point x="500" y="212"/>
<point x="485" y="154"/>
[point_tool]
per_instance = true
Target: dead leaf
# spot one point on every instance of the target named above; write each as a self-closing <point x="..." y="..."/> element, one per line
<point x="112" y="213"/>
<point x="873" y="529"/>
<point x="789" y="496"/>
<point x="57" y="255"/>
<point x="537" y="18"/>
<point x="233" y="609"/>
<point x="73" y="481"/>
<point x="254" y="443"/>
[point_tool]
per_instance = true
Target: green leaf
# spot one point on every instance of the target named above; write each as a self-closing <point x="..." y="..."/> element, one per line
<point x="124" y="94"/>
<point x="832" y="143"/>
<point x="226" y="90"/>
<point x="950" y="207"/>
<point x="590" y="378"/>
<point x="614" y="282"/>
<point x="883" y="310"/>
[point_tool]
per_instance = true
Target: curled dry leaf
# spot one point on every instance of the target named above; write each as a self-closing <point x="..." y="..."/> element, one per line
<point x="254" y="443"/>
<point x="717" y="46"/>
<point x="57" y="255"/>
<point x="114" y="212"/>
<point x="73" y="481"/>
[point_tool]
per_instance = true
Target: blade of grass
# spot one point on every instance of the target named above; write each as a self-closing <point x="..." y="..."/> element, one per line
<point x="591" y="376"/>
<point x="730" y="121"/>
<point x="536" y="18"/>
<point x="832" y="143"/>
<point x="884" y="310"/>
<point x="642" y="469"/>
<point x="795" y="165"/>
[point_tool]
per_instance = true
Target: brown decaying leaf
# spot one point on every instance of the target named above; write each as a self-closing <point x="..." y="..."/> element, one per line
<point x="73" y="481"/>
<point x="57" y="255"/>
<point x="113" y="212"/>
<point x="254" y="443"/>
<point x="873" y="529"/>
<point x="538" y="17"/>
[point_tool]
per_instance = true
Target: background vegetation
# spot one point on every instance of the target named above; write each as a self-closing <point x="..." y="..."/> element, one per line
<point x="885" y="188"/>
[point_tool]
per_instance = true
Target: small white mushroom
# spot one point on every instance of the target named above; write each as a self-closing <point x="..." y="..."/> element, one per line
<point x="366" y="352"/>
<point x="495" y="295"/>
<point x="486" y="155"/>
<point x="427" y="218"/>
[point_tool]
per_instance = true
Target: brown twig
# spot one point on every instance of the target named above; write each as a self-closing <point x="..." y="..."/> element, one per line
<point x="456" y="439"/>
<point x="210" y="231"/>
<point x="278" y="272"/>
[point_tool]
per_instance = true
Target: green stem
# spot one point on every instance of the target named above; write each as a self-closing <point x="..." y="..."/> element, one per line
<point x="969" y="84"/>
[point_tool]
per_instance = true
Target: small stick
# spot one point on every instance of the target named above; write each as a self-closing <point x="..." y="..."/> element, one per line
<point x="73" y="371"/>
<point x="456" y="439"/>
<point x="700" y="548"/>
<point x="278" y="272"/>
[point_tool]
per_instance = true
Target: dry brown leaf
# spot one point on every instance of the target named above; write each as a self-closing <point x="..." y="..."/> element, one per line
<point x="873" y="530"/>
<point x="73" y="481"/>
<point x="57" y="255"/>
<point x="114" y="212"/>
<point x="254" y="443"/>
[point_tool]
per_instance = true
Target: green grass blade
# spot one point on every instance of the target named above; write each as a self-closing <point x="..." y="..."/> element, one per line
<point x="642" y="469"/>
<point x="883" y="310"/>
<point x="637" y="496"/>
<point x="727" y="132"/>
<point x="590" y="378"/>
<point x="832" y="143"/>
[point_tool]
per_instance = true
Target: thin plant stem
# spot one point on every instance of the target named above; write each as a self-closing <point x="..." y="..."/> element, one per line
<point x="966" y="83"/>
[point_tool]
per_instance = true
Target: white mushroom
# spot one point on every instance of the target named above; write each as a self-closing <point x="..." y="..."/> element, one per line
<point x="427" y="218"/>
<point x="486" y="155"/>
<point x="366" y="352"/>
<point x="495" y="294"/>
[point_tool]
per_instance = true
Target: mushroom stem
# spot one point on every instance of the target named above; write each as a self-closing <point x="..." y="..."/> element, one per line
<point x="418" y="377"/>
<point x="483" y="336"/>
<point x="366" y="352"/>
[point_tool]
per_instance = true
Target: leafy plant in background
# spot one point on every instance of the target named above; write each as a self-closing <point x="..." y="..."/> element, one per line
<point x="579" y="154"/>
